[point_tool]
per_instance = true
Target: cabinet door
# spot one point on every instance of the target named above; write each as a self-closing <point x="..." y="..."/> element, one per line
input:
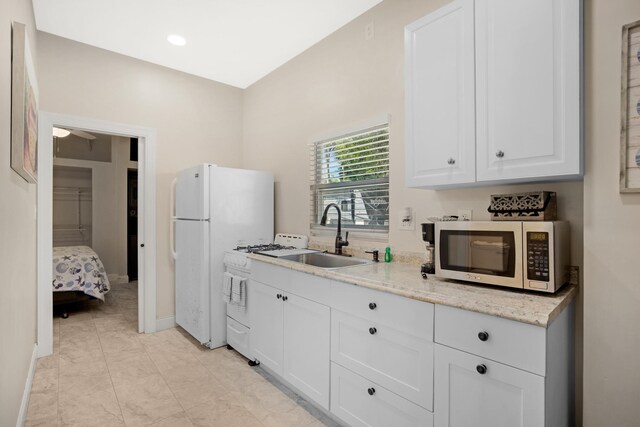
<point x="307" y="326"/>
<point x="528" y="89"/>
<point x="501" y="397"/>
<point x="440" y="99"/>
<point x="266" y="330"/>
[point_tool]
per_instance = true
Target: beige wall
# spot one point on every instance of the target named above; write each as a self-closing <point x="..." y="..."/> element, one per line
<point x="197" y="120"/>
<point x="17" y="212"/>
<point x="611" y="234"/>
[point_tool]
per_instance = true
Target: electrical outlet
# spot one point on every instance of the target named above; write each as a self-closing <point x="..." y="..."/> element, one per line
<point x="465" y="214"/>
<point x="368" y="31"/>
<point x="405" y="219"/>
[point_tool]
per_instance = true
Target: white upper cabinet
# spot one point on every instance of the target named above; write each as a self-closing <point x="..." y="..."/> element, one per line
<point x="520" y="117"/>
<point x="440" y="124"/>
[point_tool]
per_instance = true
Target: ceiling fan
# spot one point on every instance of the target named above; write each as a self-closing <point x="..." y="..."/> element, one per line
<point x="62" y="133"/>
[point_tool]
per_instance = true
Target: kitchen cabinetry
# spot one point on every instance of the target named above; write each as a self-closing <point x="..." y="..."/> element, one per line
<point x="501" y="373"/>
<point x="290" y="336"/>
<point x="373" y="358"/>
<point x="521" y="121"/>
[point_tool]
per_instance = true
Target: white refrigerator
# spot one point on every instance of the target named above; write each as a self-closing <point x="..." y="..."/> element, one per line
<point x="215" y="209"/>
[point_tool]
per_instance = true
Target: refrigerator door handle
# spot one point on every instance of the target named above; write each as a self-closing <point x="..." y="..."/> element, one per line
<point x="172" y="217"/>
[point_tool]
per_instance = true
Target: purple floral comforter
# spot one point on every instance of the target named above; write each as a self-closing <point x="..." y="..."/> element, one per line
<point x="78" y="268"/>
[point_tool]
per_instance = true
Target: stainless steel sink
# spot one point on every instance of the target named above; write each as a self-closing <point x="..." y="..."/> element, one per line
<point x="327" y="261"/>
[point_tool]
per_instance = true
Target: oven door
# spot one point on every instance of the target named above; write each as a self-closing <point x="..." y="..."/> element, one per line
<point x="481" y="252"/>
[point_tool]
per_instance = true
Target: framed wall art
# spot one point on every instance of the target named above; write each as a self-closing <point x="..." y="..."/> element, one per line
<point x="630" y="110"/>
<point x="24" y="107"/>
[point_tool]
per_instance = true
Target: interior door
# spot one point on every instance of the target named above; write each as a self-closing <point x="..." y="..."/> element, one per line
<point x="192" y="278"/>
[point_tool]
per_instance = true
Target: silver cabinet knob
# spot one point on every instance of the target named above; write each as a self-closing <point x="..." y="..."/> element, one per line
<point x="451" y="161"/>
<point x="500" y="154"/>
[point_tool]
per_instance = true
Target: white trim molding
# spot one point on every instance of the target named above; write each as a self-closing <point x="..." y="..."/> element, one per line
<point x="166" y="323"/>
<point x="146" y="217"/>
<point x="24" y="405"/>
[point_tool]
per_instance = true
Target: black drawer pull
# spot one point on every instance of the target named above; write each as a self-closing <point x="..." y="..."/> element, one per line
<point x="482" y="369"/>
<point x="372" y="331"/>
<point x="483" y="336"/>
<point x="371" y="391"/>
<point x="284" y="298"/>
<point x="372" y="306"/>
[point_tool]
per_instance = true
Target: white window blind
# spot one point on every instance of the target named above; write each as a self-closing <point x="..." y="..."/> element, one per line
<point x="352" y="171"/>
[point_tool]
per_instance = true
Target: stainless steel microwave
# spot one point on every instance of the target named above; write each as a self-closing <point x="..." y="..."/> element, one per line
<point x="531" y="255"/>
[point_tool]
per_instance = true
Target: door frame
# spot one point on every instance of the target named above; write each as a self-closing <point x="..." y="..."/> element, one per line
<point x="146" y="218"/>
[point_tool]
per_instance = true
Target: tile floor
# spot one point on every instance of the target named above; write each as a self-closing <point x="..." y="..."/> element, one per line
<point x="103" y="373"/>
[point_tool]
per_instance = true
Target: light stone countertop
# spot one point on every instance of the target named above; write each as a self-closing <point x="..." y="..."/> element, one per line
<point x="405" y="280"/>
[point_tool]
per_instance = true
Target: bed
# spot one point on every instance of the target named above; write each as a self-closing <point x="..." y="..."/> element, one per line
<point x="78" y="274"/>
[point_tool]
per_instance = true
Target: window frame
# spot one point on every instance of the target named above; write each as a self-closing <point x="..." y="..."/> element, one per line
<point x="373" y="233"/>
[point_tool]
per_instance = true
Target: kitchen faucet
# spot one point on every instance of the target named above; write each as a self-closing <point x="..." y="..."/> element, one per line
<point x="339" y="242"/>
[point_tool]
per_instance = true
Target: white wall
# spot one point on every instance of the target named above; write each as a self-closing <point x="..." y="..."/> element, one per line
<point x="17" y="236"/>
<point x="72" y="206"/>
<point x="611" y="232"/>
<point x="197" y="120"/>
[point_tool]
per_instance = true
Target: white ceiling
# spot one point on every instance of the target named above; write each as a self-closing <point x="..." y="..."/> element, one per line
<point x="231" y="41"/>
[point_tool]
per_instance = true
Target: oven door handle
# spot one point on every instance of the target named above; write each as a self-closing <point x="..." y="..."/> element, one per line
<point x="235" y="330"/>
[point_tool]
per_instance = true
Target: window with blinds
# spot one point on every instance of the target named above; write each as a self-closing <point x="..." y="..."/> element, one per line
<point x="352" y="171"/>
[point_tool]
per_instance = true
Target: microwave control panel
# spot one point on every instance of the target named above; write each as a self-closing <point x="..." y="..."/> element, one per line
<point x="538" y="256"/>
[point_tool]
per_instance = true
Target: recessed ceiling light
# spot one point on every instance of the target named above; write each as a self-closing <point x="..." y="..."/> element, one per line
<point x="60" y="133"/>
<point x="176" y="40"/>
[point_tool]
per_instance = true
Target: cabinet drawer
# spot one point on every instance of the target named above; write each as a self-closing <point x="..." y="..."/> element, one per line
<point x="412" y="316"/>
<point x="352" y="402"/>
<point x="238" y="337"/>
<point x="507" y="341"/>
<point x="396" y="359"/>
<point x="302" y="284"/>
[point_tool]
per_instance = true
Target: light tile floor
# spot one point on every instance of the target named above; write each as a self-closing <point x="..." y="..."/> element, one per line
<point x="103" y="373"/>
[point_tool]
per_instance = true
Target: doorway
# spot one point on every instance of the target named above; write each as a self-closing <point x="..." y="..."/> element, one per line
<point x="145" y="218"/>
<point x="132" y="224"/>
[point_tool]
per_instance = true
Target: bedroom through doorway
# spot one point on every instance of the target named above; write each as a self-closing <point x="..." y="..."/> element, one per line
<point x="94" y="228"/>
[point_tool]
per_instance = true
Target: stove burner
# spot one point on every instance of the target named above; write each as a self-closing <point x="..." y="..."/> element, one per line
<point x="261" y="248"/>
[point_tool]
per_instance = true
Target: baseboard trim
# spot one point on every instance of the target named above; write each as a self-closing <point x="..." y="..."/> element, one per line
<point x="24" y="405"/>
<point x="116" y="279"/>
<point x="165" y="323"/>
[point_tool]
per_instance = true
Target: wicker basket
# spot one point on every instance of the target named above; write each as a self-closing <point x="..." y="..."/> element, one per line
<point x="533" y="206"/>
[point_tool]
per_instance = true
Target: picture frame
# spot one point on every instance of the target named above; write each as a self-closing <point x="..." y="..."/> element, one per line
<point x="24" y="106"/>
<point x="630" y="110"/>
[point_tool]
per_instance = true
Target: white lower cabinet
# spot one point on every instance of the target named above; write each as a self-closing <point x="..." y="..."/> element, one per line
<point x="306" y="347"/>
<point x="266" y="326"/>
<point x="400" y="361"/>
<point x="290" y="336"/>
<point x="471" y="391"/>
<point x="361" y="402"/>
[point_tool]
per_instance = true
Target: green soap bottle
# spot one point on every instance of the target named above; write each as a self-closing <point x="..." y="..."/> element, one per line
<point x="387" y="254"/>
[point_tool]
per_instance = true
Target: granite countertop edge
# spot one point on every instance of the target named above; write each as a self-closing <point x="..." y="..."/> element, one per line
<point x="522" y="306"/>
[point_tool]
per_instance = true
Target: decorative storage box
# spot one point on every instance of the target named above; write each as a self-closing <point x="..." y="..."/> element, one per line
<point x="534" y="206"/>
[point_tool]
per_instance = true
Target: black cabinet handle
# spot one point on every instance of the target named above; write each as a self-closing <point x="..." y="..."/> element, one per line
<point x="482" y="369"/>
<point x="284" y="298"/>
<point x="483" y="336"/>
<point x="372" y="306"/>
<point x="279" y="296"/>
<point x="142" y="245"/>
<point x="371" y="391"/>
<point x="372" y="331"/>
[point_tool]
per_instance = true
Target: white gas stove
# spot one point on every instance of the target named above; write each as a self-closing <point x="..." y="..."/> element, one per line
<point x="284" y="244"/>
